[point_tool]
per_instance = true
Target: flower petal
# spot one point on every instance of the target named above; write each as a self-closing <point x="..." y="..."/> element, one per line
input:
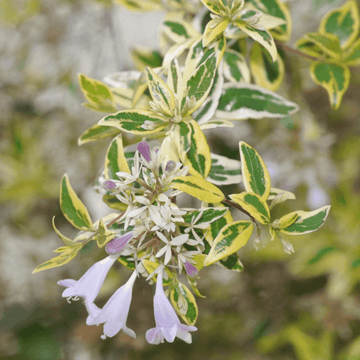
<point x="117" y="244"/>
<point x="154" y="336"/>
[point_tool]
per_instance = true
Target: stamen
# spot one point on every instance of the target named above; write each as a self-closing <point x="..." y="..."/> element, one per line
<point x="103" y="337"/>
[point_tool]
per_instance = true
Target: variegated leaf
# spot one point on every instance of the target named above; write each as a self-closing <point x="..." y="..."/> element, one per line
<point x="342" y="22"/>
<point x="256" y="177"/>
<point x="97" y="132"/>
<point x="205" y="216"/>
<point x="277" y="9"/>
<point x="266" y="73"/>
<point x="184" y="303"/>
<point x="278" y="196"/>
<point x="104" y="235"/>
<point x="254" y="205"/>
<point x="230" y="239"/>
<point x="115" y="160"/>
<point x="333" y="77"/>
<point x="198" y="188"/>
<point x="235" y="67"/>
<point x="232" y="262"/>
<point x="199" y="85"/>
<point x="263" y="37"/>
<point x="144" y="57"/>
<point x="162" y="96"/>
<point x="98" y="94"/>
<point x="216" y="226"/>
<point x="72" y="207"/>
<point x="244" y="101"/>
<point x="207" y="110"/>
<point x="307" y="221"/>
<point x="67" y="254"/>
<point x="328" y="43"/>
<point x="198" y="157"/>
<point x="213" y="29"/>
<point x="135" y="121"/>
<point x="224" y="171"/>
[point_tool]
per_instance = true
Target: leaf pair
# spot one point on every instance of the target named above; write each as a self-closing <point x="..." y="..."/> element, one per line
<point x="336" y="48"/>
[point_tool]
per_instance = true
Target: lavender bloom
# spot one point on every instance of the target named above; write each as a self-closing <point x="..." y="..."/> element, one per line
<point x="144" y="150"/>
<point x="109" y="185"/>
<point x="118" y="244"/>
<point x="191" y="270"/>
<point x="115" y="312"/>
<point x="168" y="325"/>
<point x="88" y="286"/>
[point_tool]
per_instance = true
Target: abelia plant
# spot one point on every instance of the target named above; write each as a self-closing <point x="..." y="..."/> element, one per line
<point x="199" y="80"/>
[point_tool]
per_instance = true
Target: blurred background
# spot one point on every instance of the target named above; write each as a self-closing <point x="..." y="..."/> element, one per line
<point x="300" y="307"/>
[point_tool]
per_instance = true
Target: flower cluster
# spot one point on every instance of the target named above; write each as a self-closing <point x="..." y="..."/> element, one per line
<point x="149" y="233"/>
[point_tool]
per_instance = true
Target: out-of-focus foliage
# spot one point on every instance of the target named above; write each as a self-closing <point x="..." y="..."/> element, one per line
<point x="301" y="307"/>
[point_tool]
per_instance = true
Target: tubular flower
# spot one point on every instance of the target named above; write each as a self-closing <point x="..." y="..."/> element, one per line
<point x="168" y="325"/>
<point x="115" y="312"/>
<point x="88" y="286"/>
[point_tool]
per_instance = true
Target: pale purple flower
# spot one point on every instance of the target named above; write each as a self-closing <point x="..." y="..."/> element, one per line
<point x="115" y="312"/>
<point x="118" y="244"/>
<point x="144" y="150"/>
<point x="191" y="270"/>
<point x="168" y="325"/>
<point x="88" y="286"/>
<point x="109" y="185"/>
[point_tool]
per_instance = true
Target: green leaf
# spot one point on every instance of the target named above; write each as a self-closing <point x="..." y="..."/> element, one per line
<point x="135" y="121"/>
<point x="232" y="262"/>
<point x="184" y="303"/>
<point x="104" y="235"/>
<point x="328" y="43"/>
<point x="95" y="133"/>
<point x="320" y="254"/>
<point x="72" y="207"/>
<point x="115" y="160"/>
<point x="198" y="188"/>
<point x="98" y="94"/>
<point x="68" y="253"/>
<point x="263" y="37"/>
<point x="307" y="221"/>
<point x="160" y="93"/>
<point x="143" y="57"/>
<point x="256" y="177"/>
<point x="333" y="77"/>
<point x="254" y="205"/>
<point x="235" y="67"/>
<point x="198" y="157"/>
<point x="230" y="239"/>
<point x="278" y="9"/>
<point x="243" y="101"/>
<point x="266" y="73"/>
<point x="199" y="84"/>
<point x="342" y="22"/>
<point x="224" y="171"/>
